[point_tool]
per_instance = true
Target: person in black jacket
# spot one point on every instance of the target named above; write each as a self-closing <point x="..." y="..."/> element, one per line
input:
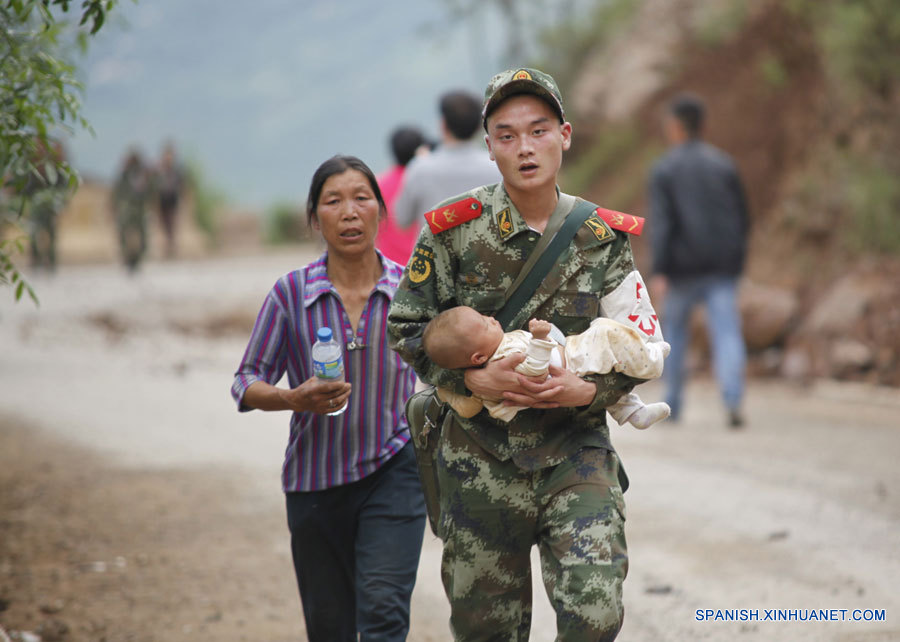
<point x="699" y="225"/>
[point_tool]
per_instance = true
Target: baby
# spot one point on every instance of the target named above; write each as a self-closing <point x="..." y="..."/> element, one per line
<point x="461" y="337"/>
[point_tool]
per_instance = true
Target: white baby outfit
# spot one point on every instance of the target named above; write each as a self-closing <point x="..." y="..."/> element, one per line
<point x="606" y="346"/>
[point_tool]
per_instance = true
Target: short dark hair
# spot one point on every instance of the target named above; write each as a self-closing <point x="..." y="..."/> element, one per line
<point x="689" y="109"/>
<point x="404" y="143"/>
<point x="462" y="113"/>
<point x="338" y="165"/>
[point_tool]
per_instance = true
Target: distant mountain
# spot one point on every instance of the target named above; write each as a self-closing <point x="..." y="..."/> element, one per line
<point x="260" y="93"/>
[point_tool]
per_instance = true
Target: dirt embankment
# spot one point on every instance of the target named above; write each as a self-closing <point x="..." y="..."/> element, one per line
<point x="91" y="552"/>
<point x="773" y="106"/>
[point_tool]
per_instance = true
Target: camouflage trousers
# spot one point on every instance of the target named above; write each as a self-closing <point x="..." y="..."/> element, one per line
<point x="493" y="512"/>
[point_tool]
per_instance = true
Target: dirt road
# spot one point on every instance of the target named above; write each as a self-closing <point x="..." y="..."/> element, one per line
<point x="136" y="504"/>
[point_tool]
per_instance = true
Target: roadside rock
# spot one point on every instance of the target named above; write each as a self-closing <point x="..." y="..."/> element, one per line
<point x="849" y="355"/>
<point x="842" y="308"/>
<point x="767" y="314"/>
<point x="853" y="331"/>
<point x="53" y="630"/>
<point x="796" y="364"/>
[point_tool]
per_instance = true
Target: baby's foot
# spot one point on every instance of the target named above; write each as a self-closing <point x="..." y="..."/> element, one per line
<point x="645" y="417"/>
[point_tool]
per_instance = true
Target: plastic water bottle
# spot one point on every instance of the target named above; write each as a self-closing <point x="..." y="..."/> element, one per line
<point x="328" y="360"/>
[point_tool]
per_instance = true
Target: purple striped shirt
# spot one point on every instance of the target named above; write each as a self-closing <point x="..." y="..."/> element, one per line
<point x="329" y="451"/>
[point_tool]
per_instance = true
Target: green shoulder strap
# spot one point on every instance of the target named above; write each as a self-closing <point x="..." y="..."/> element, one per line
<point x="542" y="258"/>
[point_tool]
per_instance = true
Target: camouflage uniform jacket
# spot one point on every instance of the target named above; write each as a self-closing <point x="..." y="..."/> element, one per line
<point x="46" y="197"/>
<point x="473" y="263"/>
<point x="129" y="196"/>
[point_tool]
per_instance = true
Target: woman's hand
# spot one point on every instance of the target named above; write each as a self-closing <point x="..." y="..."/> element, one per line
<point x="562" y="389"/>
<point x="317" y="395"/>
<point x="313" y="395"/>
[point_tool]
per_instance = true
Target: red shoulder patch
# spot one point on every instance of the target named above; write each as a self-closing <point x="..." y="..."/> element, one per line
<point x="443" y="218"/>
<point x="621" y="221"/>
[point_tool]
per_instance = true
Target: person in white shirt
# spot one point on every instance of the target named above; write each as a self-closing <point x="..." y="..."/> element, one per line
<point x="458" y="164"/>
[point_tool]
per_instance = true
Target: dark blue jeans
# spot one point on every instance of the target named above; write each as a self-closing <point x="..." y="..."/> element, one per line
<point x="723" y="323"/>
<point x="356" y="550"/>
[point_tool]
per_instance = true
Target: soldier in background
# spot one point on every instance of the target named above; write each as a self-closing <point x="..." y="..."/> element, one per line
<point x="169" y="184"/>
<point x="129" y="200"/>
<point x="46" y="193"/>
<point x="549" y="477"/>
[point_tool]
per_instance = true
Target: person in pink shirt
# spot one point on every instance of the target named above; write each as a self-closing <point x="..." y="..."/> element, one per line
<point x="395" y="242"/>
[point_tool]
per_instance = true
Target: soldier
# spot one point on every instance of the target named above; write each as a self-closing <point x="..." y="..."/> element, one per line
<point x="47" y="194"/>
<point x="169" y="184"/>
<point x="129" y="199"/>
<point x="550" y="477"/>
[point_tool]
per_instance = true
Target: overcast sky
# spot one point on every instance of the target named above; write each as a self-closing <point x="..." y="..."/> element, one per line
<point x="260" y="93"/>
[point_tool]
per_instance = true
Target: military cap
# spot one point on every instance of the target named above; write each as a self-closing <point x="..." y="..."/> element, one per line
<point x="521" y="81"/>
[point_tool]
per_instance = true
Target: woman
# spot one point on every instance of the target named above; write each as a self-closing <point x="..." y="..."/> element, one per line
<point x="354" y="505"/>
<point x="393" y="241"/>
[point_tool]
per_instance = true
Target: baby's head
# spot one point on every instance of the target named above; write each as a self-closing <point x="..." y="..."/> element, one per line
<point x="461" y="337"/>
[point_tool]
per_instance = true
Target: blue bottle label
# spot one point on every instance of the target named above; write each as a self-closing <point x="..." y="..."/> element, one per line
<point x="329" y="369"/>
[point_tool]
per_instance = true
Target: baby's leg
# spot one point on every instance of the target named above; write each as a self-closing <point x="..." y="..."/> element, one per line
<point x="497" y="410"/>
<point x="650" y="414"/>
<point x="631" y="409"/>
<point x="463" y="405"/>
<point x="609" y="346"/>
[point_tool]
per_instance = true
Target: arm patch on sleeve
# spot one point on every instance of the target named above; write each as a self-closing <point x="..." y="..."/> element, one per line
<point x="421" y="266"/>
<point x="630" y="304"/>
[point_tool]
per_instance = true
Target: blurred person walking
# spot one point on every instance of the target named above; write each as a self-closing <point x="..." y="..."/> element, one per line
<point x="395" y="242"/>
<point x="355" y="507"/>
<point x="699" y="242"/>
<point x="46" y="192"/>
<point x="169" y="184"/>
<point x="458" y="164"/>
<point x="129" y="199"/>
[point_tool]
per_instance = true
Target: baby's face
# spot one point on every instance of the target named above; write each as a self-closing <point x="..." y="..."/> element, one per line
<point x="485" y="334"/>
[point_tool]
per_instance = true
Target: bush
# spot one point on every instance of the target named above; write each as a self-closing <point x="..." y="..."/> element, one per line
<point x="285" y="223"/>
<point x="208" y="201"/>
<point x="606" y="153"/>
<point x="860" y="41"/>
<point x="773" y="72"/>
<point x="721" y="21"/>
<point x="873" y="199"/>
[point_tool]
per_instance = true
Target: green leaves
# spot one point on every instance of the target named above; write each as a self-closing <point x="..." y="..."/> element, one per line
<point x="9" y="274"/>
<point x="39" y="101"/>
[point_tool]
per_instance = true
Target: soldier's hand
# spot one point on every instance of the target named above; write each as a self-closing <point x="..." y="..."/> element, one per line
<point x="561" y="389"/>
<point x="495" y="378"/>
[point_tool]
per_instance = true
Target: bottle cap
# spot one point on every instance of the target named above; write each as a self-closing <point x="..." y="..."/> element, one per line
<point x="323" y="334"/>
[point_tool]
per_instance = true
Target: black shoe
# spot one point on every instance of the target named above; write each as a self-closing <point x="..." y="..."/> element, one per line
<point x="735" y="420"/>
